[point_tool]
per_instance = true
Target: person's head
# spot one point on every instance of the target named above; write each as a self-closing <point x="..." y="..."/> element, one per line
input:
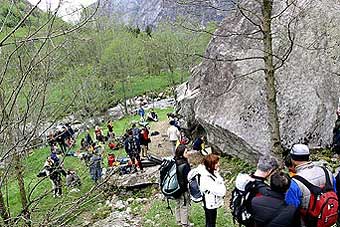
<point x="211" y="162"/>
<point x="280" y="182"/>
<point x="180" y="151"/>
<point x="299" y="154"/>
<point x="130" y="133"/>
<point x="96" y="128"/>
<point x="172" y="122"/>
<point x="266" y="165"/>
<point x="133" y="125"/>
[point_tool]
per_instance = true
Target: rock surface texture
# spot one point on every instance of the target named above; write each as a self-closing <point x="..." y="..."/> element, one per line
<point x="226" y="93"/>
<point x="144" y="13"/>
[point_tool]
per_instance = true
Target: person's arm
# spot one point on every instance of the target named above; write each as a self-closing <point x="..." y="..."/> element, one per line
<point x="126" y="146"/>
<point x="178" y="133"/>
<point x="293" y="195"/>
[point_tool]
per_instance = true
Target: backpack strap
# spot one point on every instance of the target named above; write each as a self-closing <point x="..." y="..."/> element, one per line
<point x="328" y="185"/>
<point x="313" y="188"/>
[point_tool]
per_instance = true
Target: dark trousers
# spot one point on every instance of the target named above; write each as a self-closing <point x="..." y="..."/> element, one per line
<point x="136" y="157"/>
<point x="210" y="217"/>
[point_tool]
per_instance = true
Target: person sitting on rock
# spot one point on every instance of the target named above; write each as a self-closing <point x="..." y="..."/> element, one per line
<point x="152" y="116"/>
<point x="183" y="139"/>
<point x="72" y="179"/>
<point x="88" y="138"/>
<point x="99" y="134"/>
<point x="198" y="144"/>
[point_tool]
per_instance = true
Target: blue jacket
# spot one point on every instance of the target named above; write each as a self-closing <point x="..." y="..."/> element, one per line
<point x="297" y="194"/>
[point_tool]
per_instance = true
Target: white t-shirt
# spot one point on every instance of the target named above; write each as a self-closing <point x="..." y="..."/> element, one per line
<point x="173" y="133"/>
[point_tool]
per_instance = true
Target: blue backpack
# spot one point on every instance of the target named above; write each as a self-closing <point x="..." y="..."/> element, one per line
<point x="194" y="188"/>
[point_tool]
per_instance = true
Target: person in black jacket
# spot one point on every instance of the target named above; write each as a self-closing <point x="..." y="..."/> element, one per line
<point x="182" y="202"/>
<point x="271" y="210"/>
<point x="133" y="149"/>
<point x="336" y="135"/>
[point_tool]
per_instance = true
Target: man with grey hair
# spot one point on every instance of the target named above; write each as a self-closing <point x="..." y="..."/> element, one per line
<point x="250" y="186"/>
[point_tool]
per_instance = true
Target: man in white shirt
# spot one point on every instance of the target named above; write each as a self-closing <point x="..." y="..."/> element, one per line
<point x="173" y="135"/>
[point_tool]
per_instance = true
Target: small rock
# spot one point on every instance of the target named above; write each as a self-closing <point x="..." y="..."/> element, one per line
<point x="130" y="200"/>
<point x="120" y="205"/>
<point x="157" y="216"/>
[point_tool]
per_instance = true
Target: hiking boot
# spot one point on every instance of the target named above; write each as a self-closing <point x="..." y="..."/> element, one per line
<point x="186" y="225"/>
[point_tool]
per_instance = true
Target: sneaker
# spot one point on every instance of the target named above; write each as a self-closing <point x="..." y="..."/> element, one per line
<point x="188" y="225"/>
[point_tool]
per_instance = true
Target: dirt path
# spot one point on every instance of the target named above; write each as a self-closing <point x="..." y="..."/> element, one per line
<point x="160" y="144"/>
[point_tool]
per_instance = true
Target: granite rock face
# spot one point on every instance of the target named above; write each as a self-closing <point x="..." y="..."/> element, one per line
<point x="144" y="13"/>
<point x="227" y="96"/>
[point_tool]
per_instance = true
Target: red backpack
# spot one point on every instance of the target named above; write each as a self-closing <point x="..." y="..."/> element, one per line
<point x="323" y="204"/>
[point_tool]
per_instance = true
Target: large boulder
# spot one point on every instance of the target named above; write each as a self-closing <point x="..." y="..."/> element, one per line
<point x="227" y="97"/>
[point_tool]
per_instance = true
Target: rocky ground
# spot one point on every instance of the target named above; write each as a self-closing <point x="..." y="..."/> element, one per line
<point x="121" y="209"/>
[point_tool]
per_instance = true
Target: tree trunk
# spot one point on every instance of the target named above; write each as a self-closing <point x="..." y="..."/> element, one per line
<point x="124" y="93"/>
<point x="269" y="71"/>
<point x="21" y="184"/>
<point x="3" y="210"/>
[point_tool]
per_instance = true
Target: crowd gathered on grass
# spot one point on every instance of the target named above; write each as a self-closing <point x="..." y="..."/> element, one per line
<point x="298" y="192"/>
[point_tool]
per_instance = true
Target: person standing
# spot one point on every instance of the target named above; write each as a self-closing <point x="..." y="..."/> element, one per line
<point x="212" y="186"/>
<point x="336" y="135"/>
<point x="96" y="167"/>
<point x="247" y="187"/>
<point x="132" y="148"/>
<point x="173" y="135"/>
<point x="141" y="113"/>
<point x="307" y="172"/>
<point x="144" y="141"/>
<point x="183" y="201"/>
<point x="271" y="210"/>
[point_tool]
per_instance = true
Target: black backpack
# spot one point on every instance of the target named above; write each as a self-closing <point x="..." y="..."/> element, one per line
<point x="169" y="182"/>
<point x="240" y="204"/>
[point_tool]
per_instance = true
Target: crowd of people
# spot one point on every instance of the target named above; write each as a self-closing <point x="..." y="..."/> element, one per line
<point x="296" y="193"/>
<point x="94" y="150"/>
<point x="273" y="195"/>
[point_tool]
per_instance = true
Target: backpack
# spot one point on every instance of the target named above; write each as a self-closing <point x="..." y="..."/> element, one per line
<point x="169" y="183"/>
<point x="145" y="135"/>
<point x="240" y="202"/>
<point x="132" y="145"/>
<point x="323" y="204"/>
<point x="194" y="187"/>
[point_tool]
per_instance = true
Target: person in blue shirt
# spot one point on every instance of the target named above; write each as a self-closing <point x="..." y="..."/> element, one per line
<point x="141" y="113"/>
<point x="298" y="194"/>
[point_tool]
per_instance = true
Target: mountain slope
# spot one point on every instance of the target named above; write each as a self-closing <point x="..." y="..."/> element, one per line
<point x="142" y="13"/>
